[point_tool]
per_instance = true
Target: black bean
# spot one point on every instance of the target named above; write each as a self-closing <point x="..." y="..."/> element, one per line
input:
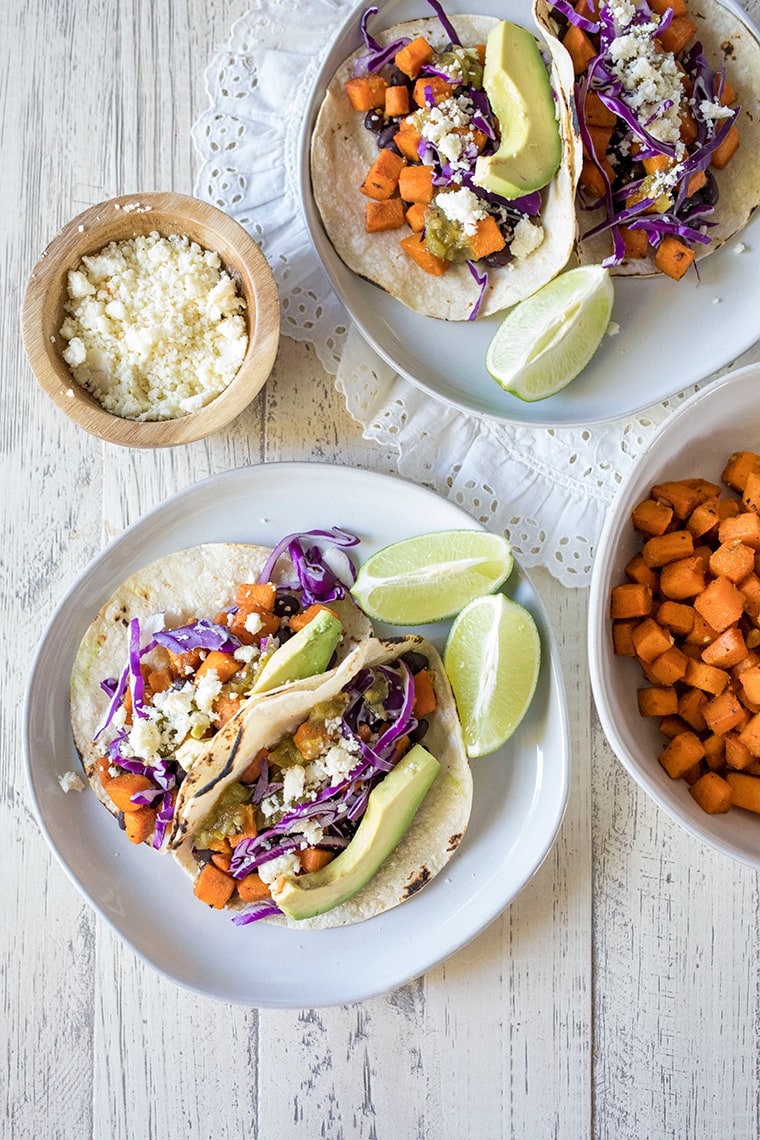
<point x="500" y="257"/>
<point x="285" y="605"/>
<point x="417" y="733"/>
<point x="385" y="138"/>
<point x="398" y="79"/>
<point x="415" y="660"/>
<point x="374" y="120"/>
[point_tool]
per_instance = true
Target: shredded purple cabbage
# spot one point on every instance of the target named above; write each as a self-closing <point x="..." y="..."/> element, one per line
<point x="323" y="572"/>
<point x="201" y="634"/>
<point x="482" y="281"/>
<point x="446" y="23"/>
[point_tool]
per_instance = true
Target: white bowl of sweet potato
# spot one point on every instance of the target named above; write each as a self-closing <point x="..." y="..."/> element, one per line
<point x="674" y="617"/>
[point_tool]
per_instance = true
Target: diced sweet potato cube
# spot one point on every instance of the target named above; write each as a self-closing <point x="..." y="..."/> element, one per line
<point x="681" y="753"/>
<point x="415" y="184"/>
<point x="677" y="34"/>
<point x="706" y="677"/>
<point x="365" y="92"/>
<point x="751" y="492"/>
<point x="750" y="589"/>
<point x="591" y="180"/>
<point x="415" y="247"/>
<point x="386" y="215"/>
<point x="397" y="101"/>
<point x="732" y="560"/>
<point x="214" y="887"/>
<point x="702" y="633"/>
<point x="670" y="726"/>
<point x="658" y="700"/>
<point x="415" y="217"/>
<point x="651" y="517"/>
<point x="430" y="90"/>
<point x="745" y="790"/>
<point x="750" y="735"/>
<point x="252" y="888"/>
<point x="677" y="617"/>
<point x="635" y="241"/>
<point x="690" y="704"/>
<point x="630" y="600"/>
<point x="715" y="751"/>
<point x="407" y="139"/>
<point x="580" y="47"/>
<point x="725" y="150"/>
<point x="122" y="788"/>
<point x="720" y="603"/>
<point x="740" y="464"/>
<point x="712" y="793"/>
<point x="669" y="667"/>
<point x="723" y="712"/>
<point x="315" y="858"/>
<point x="678" y="494"/>
<point x="622" y="638"/>
<point x="650" y="640"/>
<point x="744" y="527"/>
<point x="381" y="180"/>
<point x="638" y="571"/>
<point x="487" y="238"/>
<point x="697" y="181"/>
<point x="737" y="754"/>
<point x="139" y="825"/>
<point x="596" y="113"/>
<point x="750" y="681"/>
<point x="661" y="549"/>
<point x="310" y="738"/>
<point x="225" y="665"/>
<point x="298" y="621"/>
<point x="413" y="56"/>
<point x="727" y="93"/>
<point x="662" y="6"/>
<point x="673" y="257"/>
<point x="728" y="649"/>
<point x="703" y="519"/>
<point x="683" y="579"/>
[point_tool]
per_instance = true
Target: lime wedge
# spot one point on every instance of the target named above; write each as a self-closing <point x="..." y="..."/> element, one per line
<point x="545" y="341"/>
<point x="492" y="658"/>
<point x="431" y="576"/>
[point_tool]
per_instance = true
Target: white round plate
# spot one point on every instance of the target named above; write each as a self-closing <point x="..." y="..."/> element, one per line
<point x="694" y="443"/>
<point x="519" y="796"/>
<point x="655" y="354"/>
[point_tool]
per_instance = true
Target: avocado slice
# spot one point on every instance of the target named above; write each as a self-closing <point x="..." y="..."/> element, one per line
<point x="305" y="654"/>
<point x="390" y="810"/>
<point x="517" y="85"/>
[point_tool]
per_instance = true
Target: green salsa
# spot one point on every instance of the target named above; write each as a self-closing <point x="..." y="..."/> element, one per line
<point x="226" y="818"/>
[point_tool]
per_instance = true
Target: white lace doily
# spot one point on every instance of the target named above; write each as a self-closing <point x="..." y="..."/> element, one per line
<point x="549" y="489"/>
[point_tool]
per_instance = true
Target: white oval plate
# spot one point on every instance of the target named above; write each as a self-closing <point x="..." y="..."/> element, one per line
<point x="519" y="799"/>
<point x="655" y="355"/>
<point x="695" y="442"/>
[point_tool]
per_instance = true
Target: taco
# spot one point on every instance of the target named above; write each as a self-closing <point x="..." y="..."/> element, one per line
<point x="185" y="644"/>
<point x="282" y="818"/>
<point x="427" y="232"/>
<point x="667" y="102"/>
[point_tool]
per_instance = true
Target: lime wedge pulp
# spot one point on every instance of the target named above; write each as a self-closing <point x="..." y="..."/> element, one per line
<point x="432" y="576"/>
<point x="545" y="341"/>
<point x="492" y="658"/>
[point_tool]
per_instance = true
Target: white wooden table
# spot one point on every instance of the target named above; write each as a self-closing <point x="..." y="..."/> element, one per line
<point x="619" y="995"/>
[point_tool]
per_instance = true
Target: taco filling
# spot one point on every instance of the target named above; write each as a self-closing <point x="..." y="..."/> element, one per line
<point x="185" y="645"/>
<point x="274" y="824"/>
<point x="661" y="181"/>
<point x="408" y="125"/>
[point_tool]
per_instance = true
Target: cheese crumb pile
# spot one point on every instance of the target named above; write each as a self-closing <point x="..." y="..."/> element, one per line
<point x="155" y="327"/>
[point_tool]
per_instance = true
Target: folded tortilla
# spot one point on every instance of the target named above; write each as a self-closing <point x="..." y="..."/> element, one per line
<point x="342" y="150"/>
<point x="185" y="585"/>
<point x="727" y="40"/>
<point x="437" y="828"/>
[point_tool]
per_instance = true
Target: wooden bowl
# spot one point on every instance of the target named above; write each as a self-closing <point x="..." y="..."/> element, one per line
<point x="116" y="220"/>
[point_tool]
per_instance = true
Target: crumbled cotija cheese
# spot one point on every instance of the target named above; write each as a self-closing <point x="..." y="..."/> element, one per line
<point x="155" y="327"/>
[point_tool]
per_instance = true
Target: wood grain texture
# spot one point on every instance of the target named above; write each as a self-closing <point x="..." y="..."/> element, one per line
<point x="618" y="995"/>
